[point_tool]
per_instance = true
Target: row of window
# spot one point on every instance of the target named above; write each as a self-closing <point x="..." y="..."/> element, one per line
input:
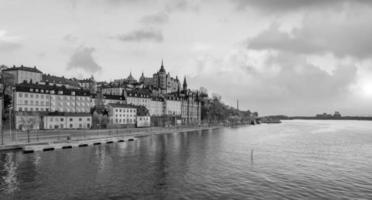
<point x="36" y="102"/>
<point x="32" y="95"/>
<point x="124" y="115"/>
<point x="42" y="96"/>
<point x="125" y="110"/>
<point x="125" y="121"/>
<point x="62" y="126"/>
<point x="62" y="119"/>
<point x="32" y="109"/>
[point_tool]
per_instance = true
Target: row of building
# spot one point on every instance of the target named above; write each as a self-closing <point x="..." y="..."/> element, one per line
<point x="51" y="102"/>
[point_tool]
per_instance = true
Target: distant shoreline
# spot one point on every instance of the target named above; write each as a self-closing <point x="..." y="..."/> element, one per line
<point x="342" y="118"/>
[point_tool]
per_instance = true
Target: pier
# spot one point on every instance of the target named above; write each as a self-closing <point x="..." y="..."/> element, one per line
<point x="74" y="144"/>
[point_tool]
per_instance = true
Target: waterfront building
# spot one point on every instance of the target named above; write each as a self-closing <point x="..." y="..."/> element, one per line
<point x="156" y="106"/>
<point x="67" y="121"/>
<point x="27" y="121"/>
<point x="172" y="105"/>
<point x="191" y="106"/>
<point x="143" y="121"/>
<point x="34" y="97"/>
<point x="23" y="73"/>
<point x="122" y="115"/>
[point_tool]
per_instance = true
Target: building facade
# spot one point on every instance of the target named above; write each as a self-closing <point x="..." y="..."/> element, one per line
<point x="164" y="82"/>
<point x="143" y="121"/>
<point x="172" y="105"/>
<point x="67" y="121"/>
<point x="23" y="73"/>
<point x="122" y="114"/>
<point x="156" y="106"/>
<point x="29" y="97"/>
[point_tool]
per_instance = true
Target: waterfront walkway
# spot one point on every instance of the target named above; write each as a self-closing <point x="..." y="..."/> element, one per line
<point x="17" y="140"/>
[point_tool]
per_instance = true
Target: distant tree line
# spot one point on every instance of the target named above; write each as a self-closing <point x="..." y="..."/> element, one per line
<point x="213" y="110"/>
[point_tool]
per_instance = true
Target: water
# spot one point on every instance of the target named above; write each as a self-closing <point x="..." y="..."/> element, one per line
<point x="292" y="160"/>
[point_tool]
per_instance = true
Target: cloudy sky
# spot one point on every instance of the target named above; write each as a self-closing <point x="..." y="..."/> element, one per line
<point x="295" y="57"/>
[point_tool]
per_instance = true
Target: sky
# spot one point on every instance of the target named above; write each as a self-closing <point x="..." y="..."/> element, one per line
<point x="293" y="57"/>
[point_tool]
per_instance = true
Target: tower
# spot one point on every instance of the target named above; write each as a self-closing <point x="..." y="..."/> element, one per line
<point x="184" y="84"/>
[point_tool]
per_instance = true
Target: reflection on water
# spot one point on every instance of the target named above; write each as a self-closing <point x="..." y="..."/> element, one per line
<point x="8" y="174"/>
<point x="292" y="160"/>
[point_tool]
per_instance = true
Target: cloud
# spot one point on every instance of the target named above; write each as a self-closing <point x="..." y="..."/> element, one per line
<point x="277" y="83"/>
<point x="9" y="43"/>
<point x="293" y="5"/>
<point x="183" y="5"/>
<point x="157" y="18"/>
<point x="83" y="59"/>
<point x="341" y="34"/>
<point x="142" y="35"/>
<point x="70" y="38"/>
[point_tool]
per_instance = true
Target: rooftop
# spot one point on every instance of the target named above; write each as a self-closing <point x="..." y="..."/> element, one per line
<point x="23" y="68"/>
<point x="48" y="88"/>
<point x="121" y="105"/>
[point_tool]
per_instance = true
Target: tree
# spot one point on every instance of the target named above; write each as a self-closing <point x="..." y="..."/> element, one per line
<point x="142" y="111"/>
<point x="28" y="123"/>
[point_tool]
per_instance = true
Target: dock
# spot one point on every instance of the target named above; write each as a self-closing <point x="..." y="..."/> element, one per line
<point x="74" y="144"/>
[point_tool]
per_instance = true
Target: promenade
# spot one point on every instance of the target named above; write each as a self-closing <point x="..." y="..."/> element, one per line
<point x="16" y="140"/>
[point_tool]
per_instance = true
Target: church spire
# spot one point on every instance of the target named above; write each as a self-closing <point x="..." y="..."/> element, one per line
<point x="184" y="84"/>
<point x="162" y="67"/>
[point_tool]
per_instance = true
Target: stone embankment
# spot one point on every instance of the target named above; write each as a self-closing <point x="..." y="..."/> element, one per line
<point x="19" y="140"/>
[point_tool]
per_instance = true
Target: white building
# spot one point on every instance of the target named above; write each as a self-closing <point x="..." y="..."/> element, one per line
<point x="122" y="114"/>
<point x="22" y="74"/>
<point x="172" y="106"/>
<point x="156" y="107"/>
<point x="67" y="121"/>
<point x="143" y="121"/>
<point x="49" y="98"/>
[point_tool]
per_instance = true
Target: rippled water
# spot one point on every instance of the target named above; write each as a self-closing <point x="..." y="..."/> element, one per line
<point x="292" y="160"/>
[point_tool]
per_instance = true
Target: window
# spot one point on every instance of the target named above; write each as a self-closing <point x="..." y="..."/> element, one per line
<point x="61" y="119"/>
<point x="26" y="95"/>
<point x="37" y="109"/>
<point x="31" y="109"/>
<point x="80" y="119"/>
<point x="20" y="95"/>
<point x="70" y="119"/>
<point x="70" y="125"/>
<point x="26" y="102"/>
<point x="80" y="126"/>
<point x="88" y="119"/>
<point x="25" y="109"/>
<point x="20" y="108"/>
<point x="31" y="95"/>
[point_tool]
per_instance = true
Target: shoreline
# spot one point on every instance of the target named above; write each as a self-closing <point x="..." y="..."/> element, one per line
<point x="81" y="135"/>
